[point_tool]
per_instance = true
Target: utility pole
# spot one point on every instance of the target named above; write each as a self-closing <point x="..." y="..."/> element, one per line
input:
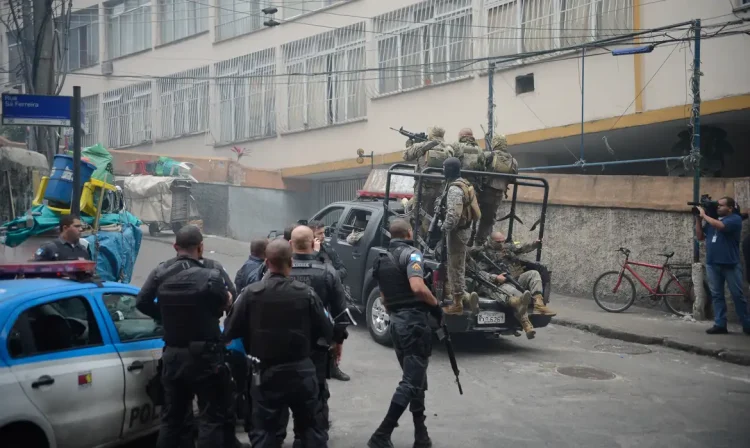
<point x="695" y="150"/>
<point x="43" y="66"/>
<point x="490" y="107"/>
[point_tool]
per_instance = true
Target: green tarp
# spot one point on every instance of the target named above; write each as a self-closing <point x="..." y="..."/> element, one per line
<point x="46" y="220"/>
<point x="102" y="160"/>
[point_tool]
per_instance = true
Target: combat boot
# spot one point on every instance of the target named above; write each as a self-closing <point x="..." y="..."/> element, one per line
<point x="520" y="307"/>
<point x="541" y="308"/>
<point x="381" y="438"/>
<point x="457" y="307"/>
<point x="421" y="437"/>
<point x="473" y="302"/>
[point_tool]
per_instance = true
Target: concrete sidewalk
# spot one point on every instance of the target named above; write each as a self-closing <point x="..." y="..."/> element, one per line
<point x="653" y="327"/>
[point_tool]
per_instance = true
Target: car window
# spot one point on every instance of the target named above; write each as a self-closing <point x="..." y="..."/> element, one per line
<point x="356" y="221"/>
<point x="330" y="216"/>
<point x="131" y="324"/>
<point x="56" y="326"/>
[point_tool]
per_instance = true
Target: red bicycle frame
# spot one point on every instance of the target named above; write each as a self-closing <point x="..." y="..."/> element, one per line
<point x="653" y="291"/>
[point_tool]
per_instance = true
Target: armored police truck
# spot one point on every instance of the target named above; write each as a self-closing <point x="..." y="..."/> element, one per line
<point x="367" y="217"/>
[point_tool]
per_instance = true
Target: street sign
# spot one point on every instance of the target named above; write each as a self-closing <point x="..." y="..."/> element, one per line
<point x="37" y="110"/>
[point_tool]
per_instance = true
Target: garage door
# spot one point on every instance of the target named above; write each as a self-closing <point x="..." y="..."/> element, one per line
<point x="339" y="190"/>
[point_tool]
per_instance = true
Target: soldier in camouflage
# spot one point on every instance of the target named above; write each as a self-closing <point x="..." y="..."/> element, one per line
<point x="493" y="190"/>
<point x="425" y="154"/>
<point x="498" y="249"/>
<point x="504" y="294"/>
<point x="461" y="210"/>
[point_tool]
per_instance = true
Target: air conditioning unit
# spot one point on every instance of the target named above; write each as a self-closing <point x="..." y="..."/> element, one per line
<point x="107" y="68"/>
<point x="14" y="89"/>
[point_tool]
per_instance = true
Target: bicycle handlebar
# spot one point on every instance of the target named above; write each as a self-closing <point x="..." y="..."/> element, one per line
<point x="623" y="250"/>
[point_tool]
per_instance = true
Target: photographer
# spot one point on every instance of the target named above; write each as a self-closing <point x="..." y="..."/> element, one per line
<point x="722" y="238"/>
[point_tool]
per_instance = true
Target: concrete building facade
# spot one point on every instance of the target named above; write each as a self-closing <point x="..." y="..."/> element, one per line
<point x="200" y="77"/>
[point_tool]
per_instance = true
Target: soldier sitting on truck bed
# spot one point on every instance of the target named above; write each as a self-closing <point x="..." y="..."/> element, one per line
<point x="500" y="251"/>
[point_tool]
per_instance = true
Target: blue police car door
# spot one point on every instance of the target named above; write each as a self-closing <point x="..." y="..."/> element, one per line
<point x="69" y="368"/>
<point x="137" y="339"/>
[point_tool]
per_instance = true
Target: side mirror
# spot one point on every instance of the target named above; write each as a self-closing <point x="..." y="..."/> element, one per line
<point x="328" y="231"/>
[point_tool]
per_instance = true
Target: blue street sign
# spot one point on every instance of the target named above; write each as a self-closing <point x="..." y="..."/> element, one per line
<point x="37" y="110"/>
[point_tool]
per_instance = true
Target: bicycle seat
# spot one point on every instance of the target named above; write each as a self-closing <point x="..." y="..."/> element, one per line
<point x="667" y="254"/>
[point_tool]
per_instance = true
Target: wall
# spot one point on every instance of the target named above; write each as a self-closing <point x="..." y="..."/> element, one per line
<point x="590" y="217"/>
<point x="212" y="200"/>
<point x="253" y="212"/>
<point x="611" y="84"/>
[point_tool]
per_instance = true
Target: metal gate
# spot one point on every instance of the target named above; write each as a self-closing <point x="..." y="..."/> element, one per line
<point x="339" y="190"/>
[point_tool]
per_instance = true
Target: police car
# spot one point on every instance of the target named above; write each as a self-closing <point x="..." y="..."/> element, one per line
<point x="75" y="359"/>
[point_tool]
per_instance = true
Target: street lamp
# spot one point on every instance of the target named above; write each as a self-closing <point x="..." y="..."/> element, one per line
<point x="361" y="157"/>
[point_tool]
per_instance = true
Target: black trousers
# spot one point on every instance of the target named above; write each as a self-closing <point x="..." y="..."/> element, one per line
<point x="746" y="251"/>
<point x="185" y="374"/>
<point x="412" y="338"/>
<point x="288" y="386"/>
<point x="320" y="360"/>
<point x="240" y="369"/>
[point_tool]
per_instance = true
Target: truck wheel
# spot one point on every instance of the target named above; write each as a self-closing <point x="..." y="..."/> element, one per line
<point x="153" y="229"/>
<point x="378" y="321"/>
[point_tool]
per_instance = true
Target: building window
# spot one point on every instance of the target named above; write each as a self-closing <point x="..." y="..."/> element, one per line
<point x="426" y="43"/>
<point x="129" y="28"/>
<point x="90" y="106"/>
<point x="83" y="38"/>
<point x="238" y="17"/>
<point x="326" y="82"/>
<point x="524" y="83"/>
<point x="519" y="26"/>
<point x="15" y="57"/>
<point x="179" y="19"/>
<point x="184" y="103"/>
<point x="293" y="8"/>
<point x="127" y="112"/>
<point x="247" y="97"/>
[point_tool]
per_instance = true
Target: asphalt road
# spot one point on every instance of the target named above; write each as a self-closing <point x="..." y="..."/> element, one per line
<point x="521" y="393"/>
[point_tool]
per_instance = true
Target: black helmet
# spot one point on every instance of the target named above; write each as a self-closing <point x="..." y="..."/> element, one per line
<point x="452" y="168"/>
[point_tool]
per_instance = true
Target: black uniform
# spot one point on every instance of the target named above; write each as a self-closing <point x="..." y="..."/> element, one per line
<point x="409" y="327"/>
<point x="191" y="297"/>
<point x="61" y="250"/>
<point x="322" y="277"/>
<point x="328" y="254"/>
<point x="281" y="321"/>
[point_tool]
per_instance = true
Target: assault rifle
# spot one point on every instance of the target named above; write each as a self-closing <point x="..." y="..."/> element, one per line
<point x="421" y="137"/>
<point x="434" y="233"/>
<point x="445" y="336"/>
<point x="502" y="267"/>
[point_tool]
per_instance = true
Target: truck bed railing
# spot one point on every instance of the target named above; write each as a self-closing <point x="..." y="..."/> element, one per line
<point x="437" y="174"/>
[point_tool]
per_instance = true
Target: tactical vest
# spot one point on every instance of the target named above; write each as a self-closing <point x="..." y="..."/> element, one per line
<point x="470" y="212"/>
<point x="280" y="321"/>
<point x="501" y="161"/>
<point x="437" y="153"/>
<point x="313" y="274"/>
<point x="473" y="158"/>
<point x="190" y="299"/>
<point x="392" y="279"/>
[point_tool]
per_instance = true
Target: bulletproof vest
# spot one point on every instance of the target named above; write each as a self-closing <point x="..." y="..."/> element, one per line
<point x="313" y="274"/>
<point x="280" y="314"/>
<point x="437" y="154"/>
<point x="392" y="279"/>
<point x="471" y="211"/>
<point x="190" y="297"/>
<point x="472" y="157"/>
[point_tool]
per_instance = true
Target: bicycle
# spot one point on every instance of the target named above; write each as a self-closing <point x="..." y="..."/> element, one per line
<point x="679" y="302"/>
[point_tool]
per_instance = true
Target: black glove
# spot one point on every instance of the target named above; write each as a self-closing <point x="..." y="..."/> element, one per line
<point x="437" y="313"/>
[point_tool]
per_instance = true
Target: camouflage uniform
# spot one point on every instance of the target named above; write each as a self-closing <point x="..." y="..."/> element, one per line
<point x="507" y="253"/>
<point x="431" y="189"/>
<point x="505" y="293"/>
<point x="457" y="232"/>
<point x="466" y="142"/>
<point x="493" y="190"/>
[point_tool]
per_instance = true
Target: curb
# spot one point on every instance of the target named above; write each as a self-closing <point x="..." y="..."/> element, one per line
<point x="733" y="357"/>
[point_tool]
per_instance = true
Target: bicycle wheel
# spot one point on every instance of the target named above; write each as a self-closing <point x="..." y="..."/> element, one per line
<point x="610" y="300"/>
<point x="680" y="305"/>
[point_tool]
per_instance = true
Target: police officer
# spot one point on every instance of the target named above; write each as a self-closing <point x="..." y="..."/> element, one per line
<point x="322" y="277"/>
<point x="192" y="298"/>
<point x="409" y="302"/>
<point x="328" y="254"/>
<point x="280" y="320"/>
<point x="69" y="246"/>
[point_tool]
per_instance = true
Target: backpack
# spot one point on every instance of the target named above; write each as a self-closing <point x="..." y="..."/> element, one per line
<point x="472" y="158"/>
<point x="502" y="162"/>
<point x="437" y="153"/>
<point x="472" y="212"/>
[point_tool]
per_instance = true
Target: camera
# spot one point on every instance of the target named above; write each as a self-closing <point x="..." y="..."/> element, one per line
<point x="711" y="207"/>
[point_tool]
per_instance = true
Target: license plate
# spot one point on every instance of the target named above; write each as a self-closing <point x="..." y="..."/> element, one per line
<point x="490" y="317"/>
